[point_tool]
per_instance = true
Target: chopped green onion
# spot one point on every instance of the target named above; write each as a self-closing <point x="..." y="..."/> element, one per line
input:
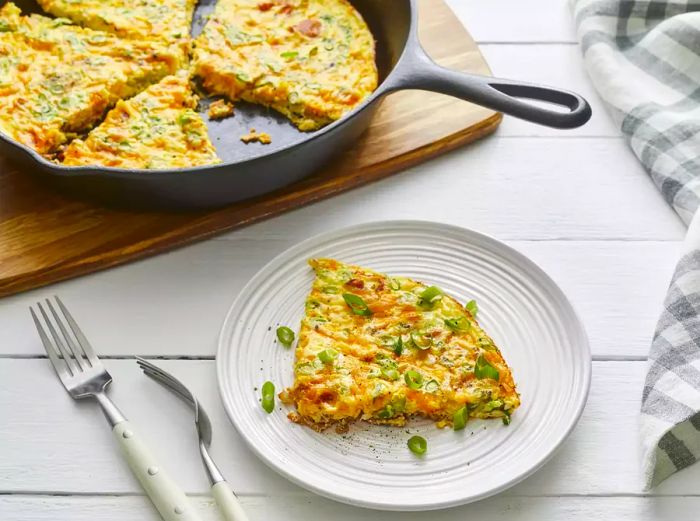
<point x="417" y="445"/>
<point x="483" y="369"/>
<point x="472" y="307"/>
<point x="357" y="305"/>
<point x="421" y="342"/>
<point x="386" y="412"/>
<point x="432" y="386"/>
<point x="289" y="55"/>
<point x="243" y="78"/>
<point x="328" y="355"/>
<point x="285" y="335"/>
<point x="313" y="51"/>
<point x="304" y="368"/>
<point x="293" y="97"/>
<point x="506" y="418"/>
<point x="458" y="324"/>
<point x="397" y="346"/>
<point x="430" y="296"/>
<point x="494" y="404"/>
<point x="394" y="284"/>
<point x="413" y="379"/>
<point x="459" y="419"/>
<point x="390" y="373"/>
<point x="268" y="397"/>
<point x="486" y="344"/>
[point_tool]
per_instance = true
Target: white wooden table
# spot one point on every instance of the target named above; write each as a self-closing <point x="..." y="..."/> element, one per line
<point x="577" y="202"/>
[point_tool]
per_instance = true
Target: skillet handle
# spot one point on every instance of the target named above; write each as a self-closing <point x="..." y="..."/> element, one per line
<point x="419" y="71"/>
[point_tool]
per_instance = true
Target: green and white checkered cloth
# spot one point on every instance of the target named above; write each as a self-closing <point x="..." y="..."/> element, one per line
<point x="644" y="59"/>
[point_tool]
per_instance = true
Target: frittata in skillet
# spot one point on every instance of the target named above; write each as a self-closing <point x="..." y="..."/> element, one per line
<point x="58" y="79"/>
<point x="168" y="20"/>
<point x="156" y="129"/>
<point x="381" y="349"/>
<point x="311" y="60"/>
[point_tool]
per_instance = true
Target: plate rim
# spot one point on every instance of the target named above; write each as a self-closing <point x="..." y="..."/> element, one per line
<point x="408" y="224"/>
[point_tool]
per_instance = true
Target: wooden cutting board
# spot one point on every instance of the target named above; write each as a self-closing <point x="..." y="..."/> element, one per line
<point x="46" y="237"/>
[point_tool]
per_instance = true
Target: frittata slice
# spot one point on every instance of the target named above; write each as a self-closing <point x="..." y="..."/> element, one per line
<point x="311" y="60"/>
<point x="382" y="349"/>
<point x="158" y="128"/>
<point x="58" y="79"/>
<point x="169" y="20"/>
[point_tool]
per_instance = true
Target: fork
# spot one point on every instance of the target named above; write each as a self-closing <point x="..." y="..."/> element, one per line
<point x="84" y="376"/>
<point x="223" y="494"/>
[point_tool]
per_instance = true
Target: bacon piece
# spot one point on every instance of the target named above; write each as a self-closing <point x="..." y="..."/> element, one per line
<point x="310" y="28"/>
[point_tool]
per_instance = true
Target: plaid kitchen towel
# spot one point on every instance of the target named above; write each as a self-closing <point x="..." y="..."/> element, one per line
<point x="644" y="59"/>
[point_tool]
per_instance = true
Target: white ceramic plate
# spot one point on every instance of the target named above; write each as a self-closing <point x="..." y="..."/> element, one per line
<point x="524" y="311"/>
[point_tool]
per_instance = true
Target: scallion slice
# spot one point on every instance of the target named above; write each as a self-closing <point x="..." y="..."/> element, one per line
<point x="458" y="324"/>
<point x="472" y="307"/>
<point x="327" y="356"/>
<point x="285" y="336"/>
<point x="432" y="386"/>
<point x="483" y="369"/>
<point x="417" y="445"/>
<point x="357" y="305"/>
<point x="459" y="419"/>
<point x="268" y="397"/>
<point x="420" y="341"/>
<point x="389" y="373"/>
<point x="430" y="296"/>
<point x="413" y="379"/>
<point x="397" y="346"/>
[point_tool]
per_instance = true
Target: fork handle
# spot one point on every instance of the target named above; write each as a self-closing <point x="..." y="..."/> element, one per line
<point x="168" y="498"/>
<point x="227" y="502"/>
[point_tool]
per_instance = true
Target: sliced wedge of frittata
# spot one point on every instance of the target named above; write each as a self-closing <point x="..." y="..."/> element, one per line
<point x="382" y="349"/>
<point x="156" y="129"/>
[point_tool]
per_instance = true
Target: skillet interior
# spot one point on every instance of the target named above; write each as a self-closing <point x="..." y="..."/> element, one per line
<point x="389" y="22"/>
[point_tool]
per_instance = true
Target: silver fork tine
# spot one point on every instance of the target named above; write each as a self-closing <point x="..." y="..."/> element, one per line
<point x="84" y="344"/>
<point x="168" y="380"/>
<point x="74" y="349"/>
<point x="48" y="346"/>
<point x="146" y="365"/>
<point x="169" y="383"/>
<point x="57" y="340"/>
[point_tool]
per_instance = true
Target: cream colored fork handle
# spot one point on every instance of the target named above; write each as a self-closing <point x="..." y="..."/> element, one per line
<point x="168" y="498"/>
<point x="228" y="503"/>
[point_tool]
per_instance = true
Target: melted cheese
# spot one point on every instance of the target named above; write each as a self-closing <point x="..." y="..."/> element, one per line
<point x="311" y="60"/>
<point x="439" y="341"/>
<point x="58" y="79"/>
<point x="158" y="128"/>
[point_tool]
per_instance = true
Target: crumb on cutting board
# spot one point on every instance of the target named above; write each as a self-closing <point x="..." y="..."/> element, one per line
<point x="261" y="137"/>
<point x="220" y="109"/>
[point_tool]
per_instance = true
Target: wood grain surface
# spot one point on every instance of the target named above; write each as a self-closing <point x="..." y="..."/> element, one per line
<point x="46" y="237"/>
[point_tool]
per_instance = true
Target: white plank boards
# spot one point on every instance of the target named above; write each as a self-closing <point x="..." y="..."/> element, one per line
<point x="54" y="445"/>
<point x="303" y="508"/>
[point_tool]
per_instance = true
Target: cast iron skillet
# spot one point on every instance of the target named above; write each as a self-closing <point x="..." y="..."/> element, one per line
<point x="250" y="170"/>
